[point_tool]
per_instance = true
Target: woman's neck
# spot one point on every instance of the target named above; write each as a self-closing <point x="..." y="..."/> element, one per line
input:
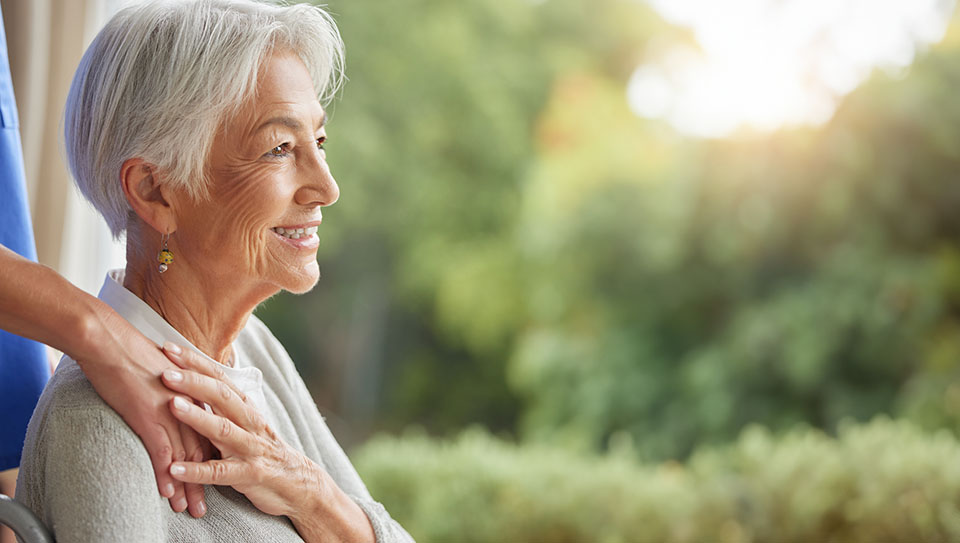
<point x="208" y="312"/>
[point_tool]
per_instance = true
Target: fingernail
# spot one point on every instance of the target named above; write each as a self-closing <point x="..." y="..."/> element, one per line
<point x="201" y="509"/>
<point x="168" y="490"/>
<point x="177" y="469"/>
<point x="171" y="347"/>
<point x="180" y="505"/>
<point x="173" y="376"/>
<point x="180" y="403"/>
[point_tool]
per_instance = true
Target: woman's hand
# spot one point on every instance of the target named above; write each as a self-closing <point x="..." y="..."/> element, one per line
<point x="275" y="477"/>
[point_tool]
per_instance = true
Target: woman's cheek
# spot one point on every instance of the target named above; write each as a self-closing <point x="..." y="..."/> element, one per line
<point x="233" y="230"/>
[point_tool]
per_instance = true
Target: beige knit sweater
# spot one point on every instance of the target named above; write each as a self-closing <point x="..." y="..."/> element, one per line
<point x="89" y="478"/>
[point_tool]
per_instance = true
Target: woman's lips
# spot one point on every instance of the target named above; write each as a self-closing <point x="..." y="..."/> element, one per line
<point x="295" y="232"/>
<point x="301" y="237"/>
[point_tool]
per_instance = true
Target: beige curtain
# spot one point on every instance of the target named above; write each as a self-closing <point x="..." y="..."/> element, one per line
<point x="45" y="40"/>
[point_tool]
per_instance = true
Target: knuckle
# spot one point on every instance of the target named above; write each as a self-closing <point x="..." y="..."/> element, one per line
<point x="197" y="455"/>
<point x="179" y="455"/>
<point x="164" y="451"/>
<point x="219" y="471"/>
<point x="223" y="391"/>
<point x="271" y="435"/>
<point x="258" y="422"/>
<point x="224" y="429"/>
<point x="195" y="361"/>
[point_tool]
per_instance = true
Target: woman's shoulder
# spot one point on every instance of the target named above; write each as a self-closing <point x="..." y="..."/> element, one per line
<point x="78" y="454"/>
<point x="69" y="388"/>
<point x="68" y="395"/>
<point x="72" y="419"/>
<point x="68" y="406"/>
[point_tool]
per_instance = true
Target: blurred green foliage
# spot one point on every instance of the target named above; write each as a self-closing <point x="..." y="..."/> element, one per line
<point x="513" y="247"/>
<point x="799" y="488"/>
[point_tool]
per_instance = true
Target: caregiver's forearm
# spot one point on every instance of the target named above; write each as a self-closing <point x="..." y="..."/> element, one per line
<point x="39" y="304"/>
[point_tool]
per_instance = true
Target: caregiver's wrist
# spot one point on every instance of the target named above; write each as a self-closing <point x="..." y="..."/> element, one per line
<point x="63" y="316"/>
<point x="83" y="326"/>
<point x="94" y="326"/>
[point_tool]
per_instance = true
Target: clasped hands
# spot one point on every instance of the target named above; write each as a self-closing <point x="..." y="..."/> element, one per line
<point x="276" y="478"/>
<point x="253" y="459"/>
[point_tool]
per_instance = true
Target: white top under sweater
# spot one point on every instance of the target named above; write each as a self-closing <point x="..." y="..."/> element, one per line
<point x="88" y="477"/>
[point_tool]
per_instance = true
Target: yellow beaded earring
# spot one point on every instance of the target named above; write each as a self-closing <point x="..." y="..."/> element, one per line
<point x="165" y="256"/>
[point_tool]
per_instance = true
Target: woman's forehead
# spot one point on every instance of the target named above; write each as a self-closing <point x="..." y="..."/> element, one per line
<point x="284" y="97"/>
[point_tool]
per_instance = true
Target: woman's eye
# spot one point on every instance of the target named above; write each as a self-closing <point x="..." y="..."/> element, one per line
<point x="320" y="141"/>
<point x="279" y="150"/>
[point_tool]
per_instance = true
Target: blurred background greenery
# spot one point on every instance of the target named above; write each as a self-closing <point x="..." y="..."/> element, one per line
<point x="651" y="335"/>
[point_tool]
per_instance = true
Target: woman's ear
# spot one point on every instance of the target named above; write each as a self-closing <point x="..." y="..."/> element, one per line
<point x="146" y="196"/>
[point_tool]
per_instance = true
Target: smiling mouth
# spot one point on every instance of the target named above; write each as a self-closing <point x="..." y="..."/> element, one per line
<point x="295" y="233"/>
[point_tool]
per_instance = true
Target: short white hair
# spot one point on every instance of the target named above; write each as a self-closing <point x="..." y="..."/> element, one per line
<point x="163" y="75"/>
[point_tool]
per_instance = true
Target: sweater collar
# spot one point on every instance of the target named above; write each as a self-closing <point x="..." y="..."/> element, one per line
<point x="247" y="378"/>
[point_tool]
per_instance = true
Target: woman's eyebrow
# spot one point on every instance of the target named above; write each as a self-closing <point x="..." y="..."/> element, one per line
<point x="289" y="122"/>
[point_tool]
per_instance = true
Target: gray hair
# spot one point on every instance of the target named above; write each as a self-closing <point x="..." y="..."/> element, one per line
<point x="162" y="76"/>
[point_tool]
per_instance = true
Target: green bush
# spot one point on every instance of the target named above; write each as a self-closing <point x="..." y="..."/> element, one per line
<point x="882" y="481"/>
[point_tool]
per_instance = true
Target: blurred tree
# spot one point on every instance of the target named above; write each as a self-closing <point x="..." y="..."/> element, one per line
<point x="683" y="290"/>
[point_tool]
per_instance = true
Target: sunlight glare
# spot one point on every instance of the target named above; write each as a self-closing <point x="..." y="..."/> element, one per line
<point x="763" y="64"/>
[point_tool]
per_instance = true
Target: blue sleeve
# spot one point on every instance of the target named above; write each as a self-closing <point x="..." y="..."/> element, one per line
<point x="23" y="366"/>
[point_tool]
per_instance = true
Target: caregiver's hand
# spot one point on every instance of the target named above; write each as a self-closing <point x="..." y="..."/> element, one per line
<point x="275" y="477"/>
<point x="122" y="364"/>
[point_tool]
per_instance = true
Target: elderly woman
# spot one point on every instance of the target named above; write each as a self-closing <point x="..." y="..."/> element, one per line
<point x="197" y="128"/>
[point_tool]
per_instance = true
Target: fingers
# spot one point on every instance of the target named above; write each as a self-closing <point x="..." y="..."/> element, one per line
<point x="190" y="360"/>
<point x="196" y="504"/>
<point x="195" y="453"/>
<point x="219" y="395"/>
<point x="164" y="446"/>
<point x="221" y="431"/>
<point x="179" y="500"/>
<point x="161" y="454"/>
<point x="212" y="472"/>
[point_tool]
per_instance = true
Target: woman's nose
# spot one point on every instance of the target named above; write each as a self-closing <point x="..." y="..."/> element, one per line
<point x="317" y="185"/>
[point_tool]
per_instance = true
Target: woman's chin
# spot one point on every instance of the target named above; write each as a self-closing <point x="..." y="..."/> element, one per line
<point x="304" y="279"/>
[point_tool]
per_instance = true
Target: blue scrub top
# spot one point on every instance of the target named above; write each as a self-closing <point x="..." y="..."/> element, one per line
<point x="23" y="363"/>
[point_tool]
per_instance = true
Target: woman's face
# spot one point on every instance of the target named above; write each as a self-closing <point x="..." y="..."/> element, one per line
<point x="269" y="179"/>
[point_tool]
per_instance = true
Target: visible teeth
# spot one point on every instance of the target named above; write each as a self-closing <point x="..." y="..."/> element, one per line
<point x="295" y="233"/>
